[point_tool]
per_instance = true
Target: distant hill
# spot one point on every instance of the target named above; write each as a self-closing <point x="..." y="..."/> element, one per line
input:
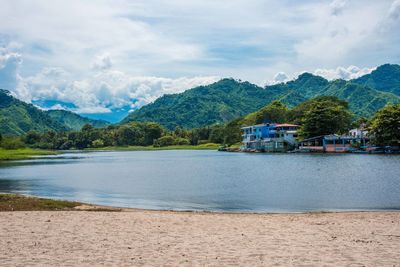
<point x="228" y="98"/>
<point x="18" y="117"/>
<point x="385" y="78"/>
<point x="74" y="121"/>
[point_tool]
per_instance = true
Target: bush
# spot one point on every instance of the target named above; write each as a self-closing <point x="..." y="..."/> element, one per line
<point x="167" y="140"/>
<point x="12" y="143"/>
<point x="66" y="145"/>
<point x="202" y="142"/>
<point x="32" y="137"/>
<point x="98" y="143"/>
<point x="181" y="141"/>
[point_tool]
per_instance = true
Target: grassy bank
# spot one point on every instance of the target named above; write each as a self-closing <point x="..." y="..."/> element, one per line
<point x="13" y="202"/>
<point x="23" y="153"/>
<point x="209" y="146"/>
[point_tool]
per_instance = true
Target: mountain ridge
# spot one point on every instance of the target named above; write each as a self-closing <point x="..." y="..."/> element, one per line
<point x="228" y="99"/>
<point x="18" y="117"/>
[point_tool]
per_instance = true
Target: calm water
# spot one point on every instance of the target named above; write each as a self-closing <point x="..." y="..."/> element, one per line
<point x="210" y="180"/>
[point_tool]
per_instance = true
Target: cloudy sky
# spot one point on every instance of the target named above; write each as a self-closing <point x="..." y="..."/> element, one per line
<point x="103" y="55"/>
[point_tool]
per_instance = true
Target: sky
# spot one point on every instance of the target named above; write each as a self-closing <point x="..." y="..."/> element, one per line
<point x="98" y="57"/>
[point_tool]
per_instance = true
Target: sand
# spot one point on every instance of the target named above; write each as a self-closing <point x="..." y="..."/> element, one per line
<point x="159" y="238"/>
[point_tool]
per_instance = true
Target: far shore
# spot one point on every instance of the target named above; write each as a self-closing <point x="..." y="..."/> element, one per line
<point x="208" y="146"/>
<point x="31" y="153"/>
<point x="93" y="235"/>
<point x="24" y="153"/>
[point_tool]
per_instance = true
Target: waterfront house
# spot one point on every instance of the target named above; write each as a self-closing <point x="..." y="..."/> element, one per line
<point x="360" y="133"/>
<point x="334" y="143"/>
<point x="269" y="137"/>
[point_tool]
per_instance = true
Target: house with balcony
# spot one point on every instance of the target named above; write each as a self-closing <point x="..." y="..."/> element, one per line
<point x="269" y="137"/>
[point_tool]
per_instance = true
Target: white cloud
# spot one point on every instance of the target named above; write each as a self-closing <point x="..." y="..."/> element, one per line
<point x="394" y="11"/>
<point x="97" y="93"/>
<point x="280" y="77"/>
<point x="55" y="107"/>
<point x="199" y="37"/>
<point x="9" y="64"/>
<point x="337" y="6"/>
<point x="349" y="73"/>
<point x="103" y="54"/>
<point x="102" y="62"/>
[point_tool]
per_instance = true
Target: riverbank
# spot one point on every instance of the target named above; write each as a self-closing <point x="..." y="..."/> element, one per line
<point x="142" y="237"/>
<point x="23" y="153"/>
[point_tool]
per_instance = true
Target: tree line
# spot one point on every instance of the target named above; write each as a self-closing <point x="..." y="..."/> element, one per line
<point x="319" y="116"/>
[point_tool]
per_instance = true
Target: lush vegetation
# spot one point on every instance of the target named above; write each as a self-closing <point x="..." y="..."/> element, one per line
<point x="204" y="105"/>
<point x="318" y="116"/>
<point x="131" y="136"/>
<point x="385" y="78"/>
<point x="13" y="148"/>
<point x="12" y="202"/>
<point x="323" y="117"/>
<point x="385" y="126"/>
<point x="18" y="118"/>
<point x="22" y="153"/>
<point x="228" y="99"/>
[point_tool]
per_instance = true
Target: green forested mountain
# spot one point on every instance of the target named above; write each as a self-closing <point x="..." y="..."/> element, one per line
<point x="18" y="117"/>
<point x="73" y="121"/>
<point x="363" y="100"/>
<point x="385" y="78"/>
<point x="204" y="105"/>
<point x="228" y="99"/>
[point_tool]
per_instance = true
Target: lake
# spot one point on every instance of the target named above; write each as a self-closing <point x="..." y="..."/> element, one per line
<point x="211" y="180"/>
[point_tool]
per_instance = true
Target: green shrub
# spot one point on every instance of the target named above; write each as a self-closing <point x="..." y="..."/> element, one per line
<point x="98" y="143"/>
<point x="167" y="140"/>
<point x="202" y="142"/>
<point x="181" y="141"/>
<point x="12" y="143"/>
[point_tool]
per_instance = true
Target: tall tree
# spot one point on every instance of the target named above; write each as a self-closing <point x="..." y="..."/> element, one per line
<point x="274" y="112"/>
<point x="324" y="118"/>
<point x="385" y="126"/>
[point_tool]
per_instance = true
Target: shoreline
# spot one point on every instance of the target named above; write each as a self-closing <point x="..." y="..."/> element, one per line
<point x="83" y="206"/>
<point x="97" y="235"/>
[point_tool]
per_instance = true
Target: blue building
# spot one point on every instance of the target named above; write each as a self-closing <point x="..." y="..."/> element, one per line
<point x="269" y="137"/>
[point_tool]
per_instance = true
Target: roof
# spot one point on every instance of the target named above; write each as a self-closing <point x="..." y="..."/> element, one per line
<point x="259" y="125"/>
<point x="286" y="125"/>
<point x="272" y="124"/>
<point x="313" y="138"/>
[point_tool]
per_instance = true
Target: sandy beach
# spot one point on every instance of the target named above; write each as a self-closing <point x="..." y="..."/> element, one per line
<point x="162" y="238"/>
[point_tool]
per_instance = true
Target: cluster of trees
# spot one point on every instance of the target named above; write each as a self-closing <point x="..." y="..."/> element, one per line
<point x="385" y="126"/>
<point x="130" y="134"/>
<point x="8" y="142"/>
<point x="141" y="134"/>
<point x="319" y="116"/>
